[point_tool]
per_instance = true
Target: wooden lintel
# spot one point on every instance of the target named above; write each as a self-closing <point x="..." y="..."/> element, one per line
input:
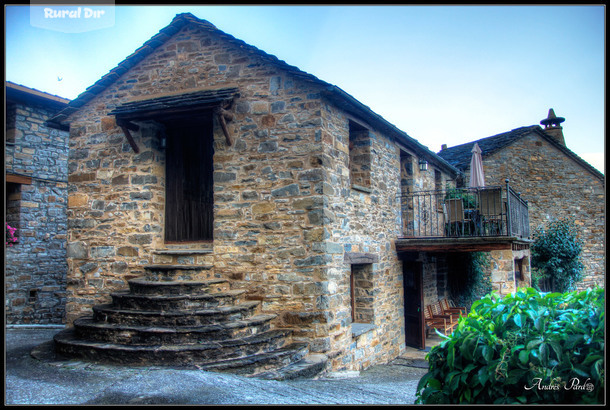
<point x="130" y="139"/>
<point x="18" y="179"/>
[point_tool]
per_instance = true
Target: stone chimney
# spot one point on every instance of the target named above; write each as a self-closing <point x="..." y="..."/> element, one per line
<point x="552" y="127"/>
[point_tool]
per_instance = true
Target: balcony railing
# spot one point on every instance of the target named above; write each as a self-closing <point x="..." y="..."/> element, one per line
<point x="491" y="211"/>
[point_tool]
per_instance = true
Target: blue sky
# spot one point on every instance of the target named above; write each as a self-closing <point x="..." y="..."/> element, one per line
<point x="443" y="74"/>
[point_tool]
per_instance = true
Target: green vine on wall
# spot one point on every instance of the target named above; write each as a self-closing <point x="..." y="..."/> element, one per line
<point x="469" y="278"/>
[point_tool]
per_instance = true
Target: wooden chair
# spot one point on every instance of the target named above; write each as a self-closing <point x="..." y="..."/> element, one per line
<point x="448" y="307"/>
<point x="441" y="323"/>
<point x="490" y="209"/>
<point x="454" y="215"/>
<point x="437" y="312"/>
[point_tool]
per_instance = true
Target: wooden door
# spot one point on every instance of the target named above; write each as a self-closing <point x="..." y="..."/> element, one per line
<point x="415" y="335"/>
<point x="189" y="210"/>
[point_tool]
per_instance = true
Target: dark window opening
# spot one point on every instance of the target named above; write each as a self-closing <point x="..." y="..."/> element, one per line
<point x="438" y="180"/>
<point x="519" y="274"/>
<point x="189" y="210"/>
<point x="361" y="293"/>
<point x="359" y="156"/>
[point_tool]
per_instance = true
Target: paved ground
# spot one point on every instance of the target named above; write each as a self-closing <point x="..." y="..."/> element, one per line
<point x="31" y="381"/>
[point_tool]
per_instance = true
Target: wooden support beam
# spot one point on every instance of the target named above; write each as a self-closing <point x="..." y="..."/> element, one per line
<point x="223" y="117"/>
<point x="475" y="244"/>
<point x="18" y="179"/>
<point x="126" y="126"/>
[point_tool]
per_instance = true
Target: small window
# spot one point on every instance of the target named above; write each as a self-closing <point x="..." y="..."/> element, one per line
<point x="519" y="273"/>
<point x="361" y="293"/>
<point x="438" y="180"/>
<point x="359" y="156"/>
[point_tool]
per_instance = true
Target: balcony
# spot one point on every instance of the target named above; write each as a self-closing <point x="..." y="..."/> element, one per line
<point x="464" y="219"/>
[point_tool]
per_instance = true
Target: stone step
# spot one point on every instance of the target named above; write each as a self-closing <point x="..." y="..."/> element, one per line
<point x="87" y="328"/>
<point x="203" y="354"/>
<point x="306" y="368"/>
<point x="111" y="314"/>
<point x="175" y="272"/>
<point x="261" y="363"/>
<point x="143" y="286"/>
<point x="127" y="300"/>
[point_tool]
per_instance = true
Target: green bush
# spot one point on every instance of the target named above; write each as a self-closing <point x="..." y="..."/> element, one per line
<point x="556" y="264"/>
<point x="524" y="348"/>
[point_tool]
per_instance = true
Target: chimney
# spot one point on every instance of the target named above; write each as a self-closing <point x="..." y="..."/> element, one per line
<point x="443" y="147"/>
<point x="552" y="127"/>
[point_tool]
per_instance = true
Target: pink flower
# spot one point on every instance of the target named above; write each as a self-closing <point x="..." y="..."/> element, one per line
<point x="10" y="235"/>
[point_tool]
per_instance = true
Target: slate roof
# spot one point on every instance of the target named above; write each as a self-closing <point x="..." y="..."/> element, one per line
<point x="22" y="93"/>
<point x="460" y="155"/>
<point x="332" y="92"/>
<point x="185" y="101"/>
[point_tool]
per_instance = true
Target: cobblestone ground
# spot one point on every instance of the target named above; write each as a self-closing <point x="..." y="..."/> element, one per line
<point x="31" y="381"/>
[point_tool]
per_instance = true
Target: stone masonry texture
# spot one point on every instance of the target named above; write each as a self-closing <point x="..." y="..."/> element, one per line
<point x="35" y="267"/>
<point x="289" y="219"/>
<point x="556" y="187"/>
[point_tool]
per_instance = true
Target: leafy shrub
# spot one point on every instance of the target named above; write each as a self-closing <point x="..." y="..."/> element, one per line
<point x="556" y="264"/>
<point x="525" y="348"/>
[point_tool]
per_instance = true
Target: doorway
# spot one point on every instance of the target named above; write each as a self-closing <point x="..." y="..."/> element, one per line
<point x="189" y="190"/>
<point x="415" y="335"/>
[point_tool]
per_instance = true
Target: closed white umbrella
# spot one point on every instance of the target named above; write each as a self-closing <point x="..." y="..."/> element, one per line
<point x="477" y="178"/>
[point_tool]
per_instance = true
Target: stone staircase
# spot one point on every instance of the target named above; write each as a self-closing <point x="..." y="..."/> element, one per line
<point x="179" y="315"/>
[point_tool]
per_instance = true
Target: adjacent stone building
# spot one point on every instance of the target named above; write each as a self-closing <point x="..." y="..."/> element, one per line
<point x="36" y="173"/>
<point x="200" y="151"/>
<point x="554" y="180"/>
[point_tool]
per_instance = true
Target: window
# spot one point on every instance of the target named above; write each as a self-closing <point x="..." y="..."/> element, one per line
<point x="359" y="156"/>
<point x="189" y="209"/>
<point x="406" y="188"/>
<point x="438" y="180"/>
<point x="519" y="269"/>
<point x="361" y="293"/>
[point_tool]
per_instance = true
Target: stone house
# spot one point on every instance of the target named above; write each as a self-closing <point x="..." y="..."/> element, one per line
<point x="205" y="156"/>
<point x="36" y="192"/>
<point x="556" y="182"/>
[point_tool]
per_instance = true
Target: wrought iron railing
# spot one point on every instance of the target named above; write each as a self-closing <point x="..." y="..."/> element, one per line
<point x="465" y="212"/>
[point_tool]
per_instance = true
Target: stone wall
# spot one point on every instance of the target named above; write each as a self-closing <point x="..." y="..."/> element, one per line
<point x="362" y="217"/>
<point x="556" y="188"/>
<point x="35" y="270"/>
<point x="288" y="221"/>
<point x="504" y="277"/>
<point x="267" y="186"/>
